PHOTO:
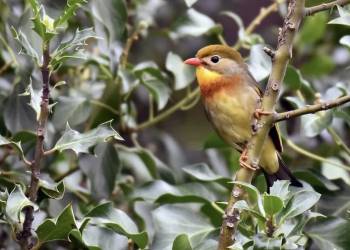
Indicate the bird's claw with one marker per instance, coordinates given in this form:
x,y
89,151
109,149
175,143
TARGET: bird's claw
x,y
259,112
243,161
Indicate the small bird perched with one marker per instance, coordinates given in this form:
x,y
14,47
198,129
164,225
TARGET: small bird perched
x,y
231,96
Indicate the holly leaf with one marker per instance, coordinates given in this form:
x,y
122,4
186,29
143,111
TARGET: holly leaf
x,y
58,228
81,142
118,221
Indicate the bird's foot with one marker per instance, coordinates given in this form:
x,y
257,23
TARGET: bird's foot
x,y
259,112
243,161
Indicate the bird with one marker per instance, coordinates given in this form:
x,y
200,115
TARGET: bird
x,y
231,98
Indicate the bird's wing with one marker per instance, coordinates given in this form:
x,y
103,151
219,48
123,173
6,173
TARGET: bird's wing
x,y
274,132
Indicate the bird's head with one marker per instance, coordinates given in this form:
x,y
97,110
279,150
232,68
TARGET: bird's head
x,y
215,61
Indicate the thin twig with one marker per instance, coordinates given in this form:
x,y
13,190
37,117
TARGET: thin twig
x,y
311,109
129,42
324,6
337,139
264,13
313,156
25,236
5,67
169,111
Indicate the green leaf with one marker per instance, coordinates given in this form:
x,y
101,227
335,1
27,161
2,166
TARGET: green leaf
x,y
280,189
332,233
161,192
295,81
272,204
315,25
242,205
316,180
318,65
173,220
80,143
110,14
184,74
192,24
344,18
57,228
26,47
72,109
35,98
16,201
345,40
189,3
52,190
262,242
43,24
300,202
182,242
102,169
118,221
253,193
73,47
259,63
16,145
69,11
316,123
155,81
99,238
18,116
333,172
202,172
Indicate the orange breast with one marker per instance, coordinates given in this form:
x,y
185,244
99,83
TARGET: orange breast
x,y
208,88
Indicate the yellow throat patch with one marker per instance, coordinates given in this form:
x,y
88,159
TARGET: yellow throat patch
x,y
206,76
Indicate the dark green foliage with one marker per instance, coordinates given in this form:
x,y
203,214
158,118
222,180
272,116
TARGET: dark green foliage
x,y
122,169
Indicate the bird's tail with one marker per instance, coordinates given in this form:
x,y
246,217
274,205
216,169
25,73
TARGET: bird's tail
x,y
283,173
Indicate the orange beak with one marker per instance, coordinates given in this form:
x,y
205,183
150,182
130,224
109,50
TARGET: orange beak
x,y
193,61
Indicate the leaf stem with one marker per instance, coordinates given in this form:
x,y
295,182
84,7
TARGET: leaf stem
x,y
338,140
313,156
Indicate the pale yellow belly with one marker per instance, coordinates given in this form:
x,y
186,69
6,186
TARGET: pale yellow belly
x,y
232,116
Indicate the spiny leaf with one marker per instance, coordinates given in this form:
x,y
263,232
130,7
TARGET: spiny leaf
x,y
52,190
69,11
26,47
16,145
15,203
35,98
118,221
57,228
73,47
81,142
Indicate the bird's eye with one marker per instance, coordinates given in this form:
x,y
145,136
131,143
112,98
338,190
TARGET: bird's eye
x,y
215,59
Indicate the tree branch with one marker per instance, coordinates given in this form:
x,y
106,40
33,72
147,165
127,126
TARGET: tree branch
x,y
324,6
25,236
280,61
311,109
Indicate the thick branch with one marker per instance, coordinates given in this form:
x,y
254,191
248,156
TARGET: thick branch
x,y
25,237
311,109
255,145
324,6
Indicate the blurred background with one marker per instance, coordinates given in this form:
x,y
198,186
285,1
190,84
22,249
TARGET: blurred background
x,y
149,94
